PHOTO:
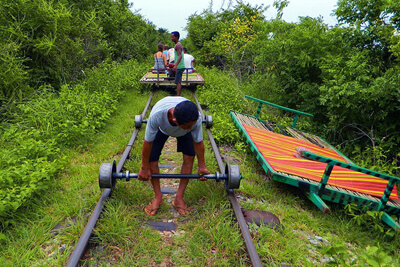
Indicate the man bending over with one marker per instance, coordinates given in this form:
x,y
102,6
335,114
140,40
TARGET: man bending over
x,y
176,117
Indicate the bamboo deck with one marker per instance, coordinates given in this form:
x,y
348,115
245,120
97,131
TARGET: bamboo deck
x,y
188,79
312,187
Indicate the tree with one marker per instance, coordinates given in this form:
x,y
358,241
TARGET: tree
x,y
225,38
376,25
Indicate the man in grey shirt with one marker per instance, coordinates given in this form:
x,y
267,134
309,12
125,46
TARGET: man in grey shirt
x,y
178,117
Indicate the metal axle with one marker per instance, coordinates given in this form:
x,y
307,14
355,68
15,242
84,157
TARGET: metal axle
x,y
208,121
217,176
108,176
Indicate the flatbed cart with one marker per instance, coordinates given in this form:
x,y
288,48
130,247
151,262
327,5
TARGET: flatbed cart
x,y
306,161
163,80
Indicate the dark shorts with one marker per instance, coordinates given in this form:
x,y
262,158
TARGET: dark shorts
x,y
178,75
185,145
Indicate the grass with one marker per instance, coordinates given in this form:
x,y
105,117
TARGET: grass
x,y
301,222
209,236
70,200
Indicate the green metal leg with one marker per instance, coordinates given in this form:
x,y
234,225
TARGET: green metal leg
x,y
389,221
318,201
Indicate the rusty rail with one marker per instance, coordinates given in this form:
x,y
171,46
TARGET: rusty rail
x,y
84,239
250,247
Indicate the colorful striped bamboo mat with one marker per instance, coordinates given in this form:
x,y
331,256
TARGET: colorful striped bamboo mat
x,y
279,151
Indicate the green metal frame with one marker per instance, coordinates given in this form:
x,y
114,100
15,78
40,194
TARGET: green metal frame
x,y
297,112
332,162
318,192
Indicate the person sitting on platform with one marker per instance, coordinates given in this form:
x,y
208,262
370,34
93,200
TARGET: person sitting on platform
x,y
166,48
180,118
160,61
171,55
189,60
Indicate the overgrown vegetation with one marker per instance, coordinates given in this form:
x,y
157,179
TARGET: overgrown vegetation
x,y
346,75
54,42
60,80
33,140
66,65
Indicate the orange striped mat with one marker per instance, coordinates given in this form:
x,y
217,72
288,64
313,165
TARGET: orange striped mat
x,y
278,150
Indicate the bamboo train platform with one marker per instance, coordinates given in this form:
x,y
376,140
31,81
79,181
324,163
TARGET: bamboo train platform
x,y
306,161
161,79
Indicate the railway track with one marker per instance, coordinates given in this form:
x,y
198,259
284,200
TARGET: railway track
x,y
84,239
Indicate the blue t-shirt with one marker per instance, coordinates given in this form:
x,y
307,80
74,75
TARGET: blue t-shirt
x,y
158,120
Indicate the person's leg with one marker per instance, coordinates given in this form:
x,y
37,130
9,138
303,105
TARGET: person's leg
x,y
156,182
155,153
178,89
185,145
153,206
178,81
178,203
187,167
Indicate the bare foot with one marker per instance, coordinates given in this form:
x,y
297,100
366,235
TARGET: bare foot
x,y
153,206
182,208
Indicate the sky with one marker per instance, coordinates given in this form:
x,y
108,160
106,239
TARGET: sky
x,y
173,14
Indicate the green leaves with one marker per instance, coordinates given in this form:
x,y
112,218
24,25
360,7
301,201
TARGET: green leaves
x,y
376,257
221,94
53,42
225,38
27,163
31,148
370,256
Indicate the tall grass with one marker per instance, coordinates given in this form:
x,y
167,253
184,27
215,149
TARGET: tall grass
x,y
33,140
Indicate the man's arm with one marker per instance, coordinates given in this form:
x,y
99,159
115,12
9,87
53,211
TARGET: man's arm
x,y
145,172
178,49
199,150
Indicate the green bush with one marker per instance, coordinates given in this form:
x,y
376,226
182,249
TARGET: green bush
x,y
220,94
53,42
13,76
27,162
31,147
347,76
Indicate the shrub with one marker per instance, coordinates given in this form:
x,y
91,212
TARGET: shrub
x,y
27,162
220,94
30,147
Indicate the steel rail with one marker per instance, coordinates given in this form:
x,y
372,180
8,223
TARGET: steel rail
x,y
84,239
250,247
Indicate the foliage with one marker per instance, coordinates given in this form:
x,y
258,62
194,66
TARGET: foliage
x,y
377,24
375,257
27,163
13,76
53,42
31,147
231,46
369,219
221,94
201,29
288,57
376,159
224,38
370,256
347,76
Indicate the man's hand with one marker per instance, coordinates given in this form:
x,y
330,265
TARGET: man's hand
x,y
174,68
144,174
203,171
